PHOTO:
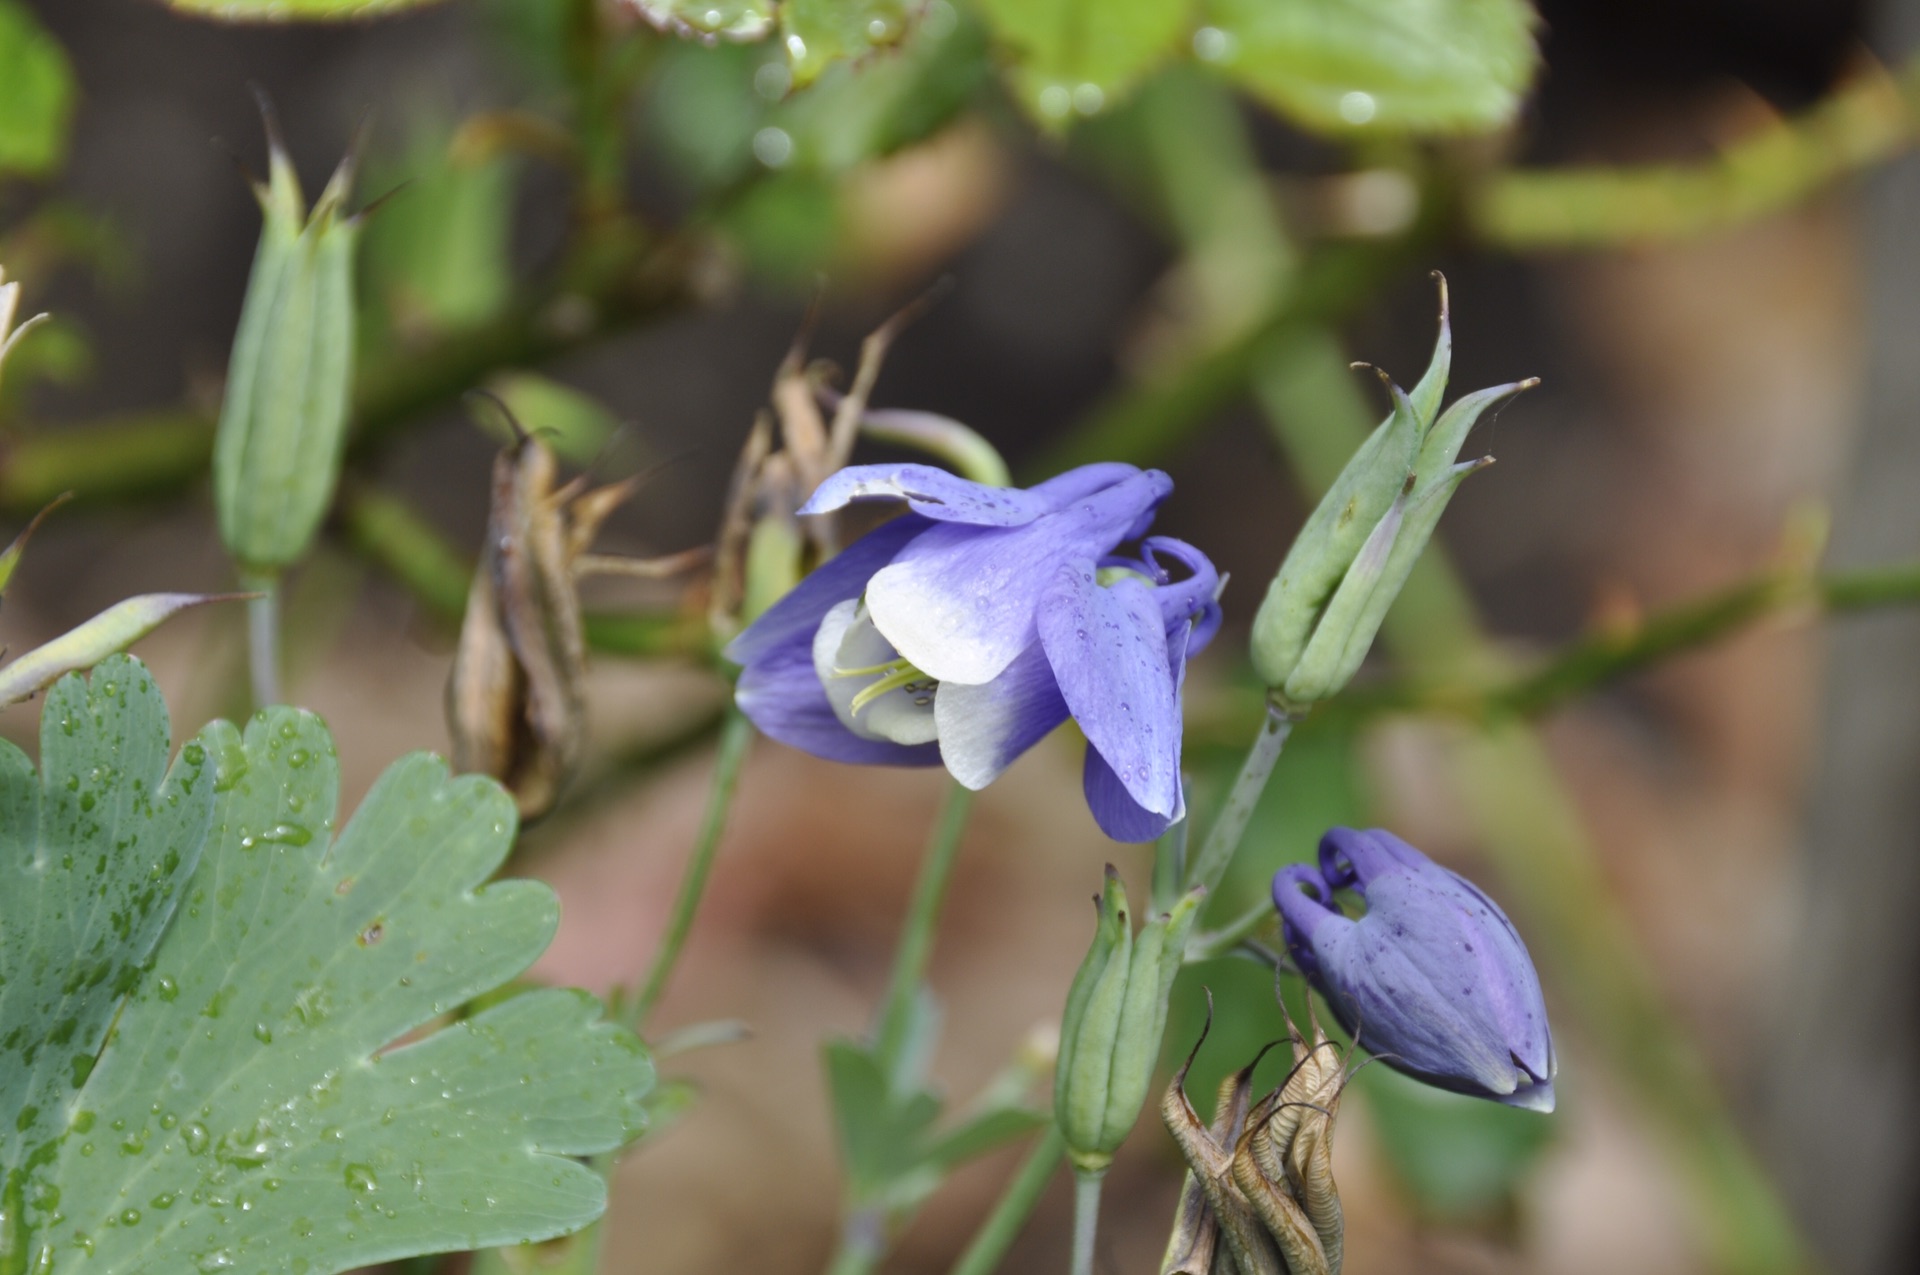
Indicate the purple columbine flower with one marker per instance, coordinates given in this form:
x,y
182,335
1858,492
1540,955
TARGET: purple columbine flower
x,y
965,630
1433,978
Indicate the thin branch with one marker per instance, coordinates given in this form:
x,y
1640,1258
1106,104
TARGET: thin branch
x,y
1592,661
1867,121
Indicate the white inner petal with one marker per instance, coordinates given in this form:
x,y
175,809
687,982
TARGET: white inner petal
x,y
847,639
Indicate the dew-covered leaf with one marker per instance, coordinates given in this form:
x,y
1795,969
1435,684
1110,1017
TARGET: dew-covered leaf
x,y
269,1096
36,95
709,19
293,10
1445,66
818,33
1078,56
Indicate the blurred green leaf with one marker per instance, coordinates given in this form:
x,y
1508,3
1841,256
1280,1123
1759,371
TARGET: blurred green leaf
x,y
293,10
855,113
701,106
818,33
1459,1158
1078,56
707,19
201,1042
575,425
881,1131
36,95
436,252
1340,66
786,226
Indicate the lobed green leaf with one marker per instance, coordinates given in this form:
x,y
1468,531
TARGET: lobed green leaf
x,y
269,1096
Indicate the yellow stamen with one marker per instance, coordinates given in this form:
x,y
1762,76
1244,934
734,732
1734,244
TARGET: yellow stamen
x,y
901,676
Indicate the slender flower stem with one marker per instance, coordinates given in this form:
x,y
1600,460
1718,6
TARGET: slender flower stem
x,y
1086,1220
263,638
735,734
1002,1227
916,936
1224,837
1208,944
863,1242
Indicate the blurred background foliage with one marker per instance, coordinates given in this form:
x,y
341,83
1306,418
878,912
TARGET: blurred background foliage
x,y
1168,225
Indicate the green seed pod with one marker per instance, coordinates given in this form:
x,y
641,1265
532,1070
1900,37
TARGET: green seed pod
x,y
276,458
1115,1016
1354,554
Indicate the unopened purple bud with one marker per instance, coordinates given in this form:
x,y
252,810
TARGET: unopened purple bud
x,y
1433,978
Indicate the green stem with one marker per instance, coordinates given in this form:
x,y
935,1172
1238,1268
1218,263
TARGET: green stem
x,y
997,1233
1216,852
263,638
863,1242
1862,124
1086,1220
1592,661
1209,944
916,936
735,735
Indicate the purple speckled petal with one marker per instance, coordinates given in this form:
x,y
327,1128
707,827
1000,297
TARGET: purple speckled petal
x,y
960,601
1108,648
781,694
983,728
931,492
794,618
1433,977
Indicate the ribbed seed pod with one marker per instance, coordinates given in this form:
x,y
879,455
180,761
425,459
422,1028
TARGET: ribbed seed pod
x,y
283,422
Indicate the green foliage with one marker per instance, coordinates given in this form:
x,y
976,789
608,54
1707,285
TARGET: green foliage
x,y
294,10
886,1115
436,253
36,95
577,426
1458,1157
1439,66
818,33
203,991
855,113
1079,55
725,19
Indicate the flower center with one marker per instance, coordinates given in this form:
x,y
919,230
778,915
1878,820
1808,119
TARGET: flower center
x,y
895,674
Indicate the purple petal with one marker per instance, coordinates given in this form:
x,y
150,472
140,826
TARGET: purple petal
x,y
795,617
1108,648
1063,489
781,694
1113,807
984,727
1190,603
931,492
960,602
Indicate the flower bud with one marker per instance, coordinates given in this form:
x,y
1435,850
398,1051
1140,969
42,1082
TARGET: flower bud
x,y
1115,1016
1433,979
283,423
1351,558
